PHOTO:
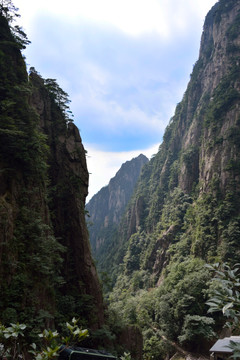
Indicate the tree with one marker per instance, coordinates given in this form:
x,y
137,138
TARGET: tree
x,y
60,97
225,297
20,36
196,327
10,12
225,293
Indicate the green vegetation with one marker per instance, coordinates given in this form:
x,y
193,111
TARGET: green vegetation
x,y
171,308
221,8
225,297
13,345
60,97
225,97
184,214
10,13
30,253
39,284
224,293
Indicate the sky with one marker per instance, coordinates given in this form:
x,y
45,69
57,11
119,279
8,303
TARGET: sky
x,y
125,65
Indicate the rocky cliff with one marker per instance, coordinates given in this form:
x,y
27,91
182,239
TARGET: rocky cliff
x,y
106,208
199,153
185,210
46,270
68,189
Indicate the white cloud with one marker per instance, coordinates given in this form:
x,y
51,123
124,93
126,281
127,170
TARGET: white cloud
x,y
121,83
117,119
131,16
103,165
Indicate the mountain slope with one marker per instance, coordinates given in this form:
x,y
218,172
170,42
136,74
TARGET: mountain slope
x,y
199,153
108,205
185,210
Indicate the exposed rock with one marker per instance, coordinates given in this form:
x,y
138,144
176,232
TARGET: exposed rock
x,y
69,177
46,268
199,156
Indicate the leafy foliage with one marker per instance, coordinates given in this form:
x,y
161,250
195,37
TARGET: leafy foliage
x,y
126,356
177,308
10,13
60,97
8,10
196,327
225,297
235,347
14,346
226,293
11,344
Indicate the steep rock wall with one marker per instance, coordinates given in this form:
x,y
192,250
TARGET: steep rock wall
x,y
192,183
46,269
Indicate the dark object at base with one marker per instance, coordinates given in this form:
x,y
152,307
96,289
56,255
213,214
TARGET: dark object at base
x,y
79,353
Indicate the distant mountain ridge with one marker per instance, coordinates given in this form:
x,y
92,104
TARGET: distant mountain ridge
x,y
108,205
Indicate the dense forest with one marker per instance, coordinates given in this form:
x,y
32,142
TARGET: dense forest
x,y
180,217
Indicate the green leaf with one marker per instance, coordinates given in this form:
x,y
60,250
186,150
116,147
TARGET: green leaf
x,y
69,326
74,321
226,307
7,335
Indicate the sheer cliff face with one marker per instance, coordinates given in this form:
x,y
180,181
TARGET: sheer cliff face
x,y
201,140
45,260
188,193
68,190
216,115
208,113
108,205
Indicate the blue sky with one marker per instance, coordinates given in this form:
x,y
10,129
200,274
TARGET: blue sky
x,y
125,65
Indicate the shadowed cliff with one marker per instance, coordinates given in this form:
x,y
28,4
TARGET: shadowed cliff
x,y
47,274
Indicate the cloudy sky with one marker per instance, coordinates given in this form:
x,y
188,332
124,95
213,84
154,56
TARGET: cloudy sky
x,y
124,63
